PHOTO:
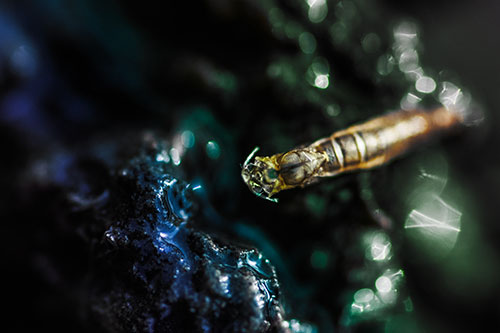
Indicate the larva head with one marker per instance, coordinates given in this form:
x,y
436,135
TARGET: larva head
x,y
261,176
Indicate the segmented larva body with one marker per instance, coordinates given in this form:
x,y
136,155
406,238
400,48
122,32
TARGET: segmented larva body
x,y
362,146
381,139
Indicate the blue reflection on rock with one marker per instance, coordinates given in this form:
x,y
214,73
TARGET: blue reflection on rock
x,y
153,267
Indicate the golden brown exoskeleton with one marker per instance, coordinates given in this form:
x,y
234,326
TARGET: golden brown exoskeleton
x,y
358,147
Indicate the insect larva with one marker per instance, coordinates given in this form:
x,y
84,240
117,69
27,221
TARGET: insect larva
x,y
358,147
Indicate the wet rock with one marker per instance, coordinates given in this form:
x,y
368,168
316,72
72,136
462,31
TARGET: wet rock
x,y
148,267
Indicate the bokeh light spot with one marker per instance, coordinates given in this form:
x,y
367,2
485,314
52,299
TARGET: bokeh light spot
x,y
425,85
319,259
385,64
383,284
318,10
433,222
187,139
332,110
213,150
364,295
379,247
176,156
307,42
321,81
370,43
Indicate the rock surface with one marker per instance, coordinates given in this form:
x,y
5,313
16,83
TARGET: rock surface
x,y
150,268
